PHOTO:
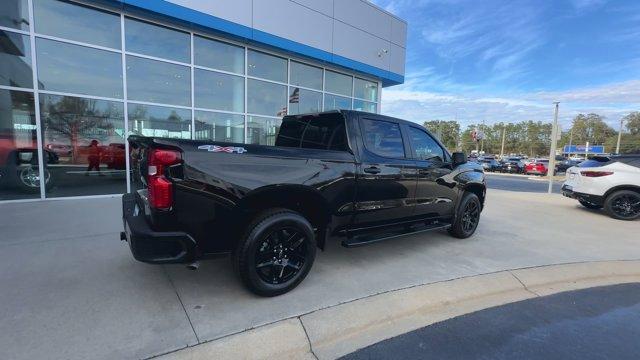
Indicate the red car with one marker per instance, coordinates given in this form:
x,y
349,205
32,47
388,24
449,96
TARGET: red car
x,y
537,167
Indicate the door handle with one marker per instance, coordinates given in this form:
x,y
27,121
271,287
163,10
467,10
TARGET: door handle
x,y
372,170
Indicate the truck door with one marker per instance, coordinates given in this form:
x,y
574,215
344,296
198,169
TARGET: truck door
x,y
386,180
435,191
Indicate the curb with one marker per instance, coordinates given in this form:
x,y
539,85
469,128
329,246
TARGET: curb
x,y
341,329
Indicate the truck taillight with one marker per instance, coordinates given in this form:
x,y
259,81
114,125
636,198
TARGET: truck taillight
x,y
160,188
596,173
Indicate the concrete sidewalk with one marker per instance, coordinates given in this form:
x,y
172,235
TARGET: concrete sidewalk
x,y
71,289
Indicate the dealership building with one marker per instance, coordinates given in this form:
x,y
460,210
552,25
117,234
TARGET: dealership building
x,y
78,77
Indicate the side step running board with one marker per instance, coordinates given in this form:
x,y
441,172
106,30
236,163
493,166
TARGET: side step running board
x,y
365,239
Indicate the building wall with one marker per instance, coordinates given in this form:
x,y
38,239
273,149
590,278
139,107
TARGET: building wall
x,y
346,30
76,80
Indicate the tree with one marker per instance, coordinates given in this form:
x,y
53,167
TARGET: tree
x,y
591,128
447,131
632,122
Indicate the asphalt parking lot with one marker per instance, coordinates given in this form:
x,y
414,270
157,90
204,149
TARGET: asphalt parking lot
x,y
596,323
71,289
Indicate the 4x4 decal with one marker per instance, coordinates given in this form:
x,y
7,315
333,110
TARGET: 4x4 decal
x,y
225,149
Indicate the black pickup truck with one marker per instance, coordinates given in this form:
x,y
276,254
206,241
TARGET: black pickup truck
x,y
352,176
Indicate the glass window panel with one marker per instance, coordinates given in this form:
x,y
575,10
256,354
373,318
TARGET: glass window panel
x,y
266,98
383,138
158,82
333,102
14,14
76,22
424,146
325,132
262,130
218,55
15,60
159,121
159,41
366,90
338,83
364,106
306,76
19,176
267,66
219,91
78,69
88,137
304,101
219,127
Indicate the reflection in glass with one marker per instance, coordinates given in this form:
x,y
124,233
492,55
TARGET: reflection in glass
x,y
87,136
306,76
267,66
19,176
77,22
14,14
158,41
15,60
159,121
78,69
219,127
262,130
158,82
364,106
338,83
304,101
219,91
366,90
218,55
333,102
266,98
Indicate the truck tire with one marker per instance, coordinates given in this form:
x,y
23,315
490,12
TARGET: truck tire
x,y
623,205
468,216
276,252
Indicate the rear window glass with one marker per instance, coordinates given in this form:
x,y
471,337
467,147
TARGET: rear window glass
x,y
324,132
594,162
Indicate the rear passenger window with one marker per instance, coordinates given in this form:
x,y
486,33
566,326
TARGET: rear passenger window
x,y
424,147
324,132
383,138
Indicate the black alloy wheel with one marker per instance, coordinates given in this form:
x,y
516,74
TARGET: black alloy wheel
x,y
468,216
281,255
623,205
276,253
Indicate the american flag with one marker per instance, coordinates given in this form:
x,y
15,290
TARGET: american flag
x,y
282,112
294,98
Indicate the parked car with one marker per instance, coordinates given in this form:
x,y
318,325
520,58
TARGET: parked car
x,y
564,165
490,165
612,183
538,167
512,165
114,156
352,176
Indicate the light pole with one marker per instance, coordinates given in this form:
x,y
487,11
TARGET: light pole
x,y
552,152
504,131
619,137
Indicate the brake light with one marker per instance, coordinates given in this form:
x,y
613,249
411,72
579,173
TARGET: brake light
x,y
596,173
160,189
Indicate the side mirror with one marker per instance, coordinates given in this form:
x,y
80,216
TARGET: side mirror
x,y
458,158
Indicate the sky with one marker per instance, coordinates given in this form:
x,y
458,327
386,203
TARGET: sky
x,y
510,60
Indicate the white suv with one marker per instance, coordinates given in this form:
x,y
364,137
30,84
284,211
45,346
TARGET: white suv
x,y
612,183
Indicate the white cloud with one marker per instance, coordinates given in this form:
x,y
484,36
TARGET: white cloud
x,y
612,101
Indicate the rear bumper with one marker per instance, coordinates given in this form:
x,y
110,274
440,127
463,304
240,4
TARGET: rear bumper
x,y
594,199
152,246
